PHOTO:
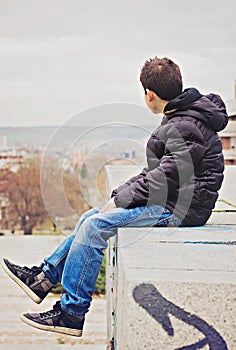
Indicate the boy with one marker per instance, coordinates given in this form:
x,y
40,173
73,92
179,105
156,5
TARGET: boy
x,y
179,186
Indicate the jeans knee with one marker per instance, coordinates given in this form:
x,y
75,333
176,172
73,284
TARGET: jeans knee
x,y
84,217
92,232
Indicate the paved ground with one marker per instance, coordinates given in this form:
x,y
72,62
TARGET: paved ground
x,y
16,335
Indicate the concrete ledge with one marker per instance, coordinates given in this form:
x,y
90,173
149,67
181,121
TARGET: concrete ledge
x,y
174,288
179,255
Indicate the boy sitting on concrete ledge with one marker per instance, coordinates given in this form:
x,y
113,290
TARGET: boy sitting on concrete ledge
x,y
179,186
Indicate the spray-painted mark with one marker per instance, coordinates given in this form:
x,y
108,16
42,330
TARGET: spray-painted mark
x,y
199,242
148,297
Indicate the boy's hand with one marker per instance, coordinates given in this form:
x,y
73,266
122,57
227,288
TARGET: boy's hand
x,y
108,206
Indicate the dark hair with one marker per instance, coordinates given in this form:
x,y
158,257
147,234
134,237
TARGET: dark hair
x,y
162,76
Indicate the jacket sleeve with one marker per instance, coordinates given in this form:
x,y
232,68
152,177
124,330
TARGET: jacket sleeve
x,y
129,182
176,167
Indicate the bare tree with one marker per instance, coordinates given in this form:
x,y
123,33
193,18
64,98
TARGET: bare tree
x,y
25,204
22,191
55,180
6,178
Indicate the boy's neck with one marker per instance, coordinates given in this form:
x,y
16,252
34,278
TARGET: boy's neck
x,y
159,105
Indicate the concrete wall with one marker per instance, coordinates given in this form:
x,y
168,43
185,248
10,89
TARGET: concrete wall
x,y
175,288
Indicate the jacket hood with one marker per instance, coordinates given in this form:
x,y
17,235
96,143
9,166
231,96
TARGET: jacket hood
x,y
210,109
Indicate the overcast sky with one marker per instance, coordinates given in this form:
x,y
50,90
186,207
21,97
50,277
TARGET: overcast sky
x,y
60,57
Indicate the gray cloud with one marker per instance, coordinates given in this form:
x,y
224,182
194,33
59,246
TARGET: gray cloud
x,y
60,57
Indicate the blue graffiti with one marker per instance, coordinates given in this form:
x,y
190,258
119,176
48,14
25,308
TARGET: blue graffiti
x,y
151,300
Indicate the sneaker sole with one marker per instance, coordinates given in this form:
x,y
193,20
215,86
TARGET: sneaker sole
x,y
57,329
23,286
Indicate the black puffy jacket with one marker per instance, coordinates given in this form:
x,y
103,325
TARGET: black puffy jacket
x,y
184,160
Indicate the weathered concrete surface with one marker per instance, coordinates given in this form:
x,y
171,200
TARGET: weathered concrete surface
x,y
225,209
16,335
175,288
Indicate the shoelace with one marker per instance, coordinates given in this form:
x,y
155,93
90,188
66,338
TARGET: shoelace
x,y
54,312
30,271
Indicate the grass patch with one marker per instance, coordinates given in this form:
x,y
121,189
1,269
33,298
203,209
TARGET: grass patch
x,y
46,233
101,280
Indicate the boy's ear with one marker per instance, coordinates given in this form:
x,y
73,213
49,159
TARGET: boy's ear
x,y
150,95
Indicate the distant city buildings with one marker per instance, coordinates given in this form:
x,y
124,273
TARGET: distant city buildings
x,y
10,160
11,157
228,135
3,142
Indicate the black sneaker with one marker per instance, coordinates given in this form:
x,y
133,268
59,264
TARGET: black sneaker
x,y
32,280
56,320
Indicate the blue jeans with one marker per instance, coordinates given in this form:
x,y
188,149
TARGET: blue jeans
x,y
76,262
